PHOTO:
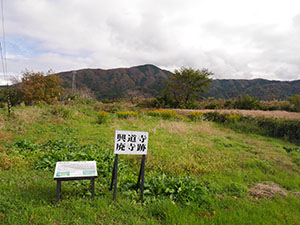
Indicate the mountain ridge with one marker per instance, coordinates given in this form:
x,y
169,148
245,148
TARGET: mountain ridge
x,y
149,80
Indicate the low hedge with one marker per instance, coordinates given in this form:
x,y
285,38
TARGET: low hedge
x,y
279,128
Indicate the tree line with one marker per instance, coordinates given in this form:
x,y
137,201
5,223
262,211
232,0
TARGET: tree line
x,y
34,88
184,89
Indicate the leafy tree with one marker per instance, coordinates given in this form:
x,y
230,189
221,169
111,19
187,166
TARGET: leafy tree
x,y
295,101
15,95
38,87
246,102
185,86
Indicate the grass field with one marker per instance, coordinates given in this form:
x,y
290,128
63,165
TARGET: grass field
x,y
196,172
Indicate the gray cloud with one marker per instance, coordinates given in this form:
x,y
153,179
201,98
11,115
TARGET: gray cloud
x,y
245,41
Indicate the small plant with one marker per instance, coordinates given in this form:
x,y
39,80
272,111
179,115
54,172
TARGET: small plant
x,y
62,111
102,117
165,114
126,115
181,118
196,116
233,118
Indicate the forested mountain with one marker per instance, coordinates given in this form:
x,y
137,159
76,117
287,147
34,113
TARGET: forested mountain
x,y
141,81
260,88
149,81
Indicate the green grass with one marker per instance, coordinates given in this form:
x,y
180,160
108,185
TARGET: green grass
x,y
196,172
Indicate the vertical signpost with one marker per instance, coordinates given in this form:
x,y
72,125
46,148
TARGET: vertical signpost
x,y
130,143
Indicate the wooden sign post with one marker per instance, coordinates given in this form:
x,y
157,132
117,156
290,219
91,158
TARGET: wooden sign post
x,y
130,143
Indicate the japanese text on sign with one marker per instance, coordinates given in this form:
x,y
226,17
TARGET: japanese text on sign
x,y
131,142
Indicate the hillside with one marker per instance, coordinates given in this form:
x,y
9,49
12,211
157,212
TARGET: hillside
x,y
260,88
149,81
140,81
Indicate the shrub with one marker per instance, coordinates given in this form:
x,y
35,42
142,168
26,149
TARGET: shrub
x,y
62,111
295,101
233,118
102,117
181,118
126,115
279,128
165,114
196,116
246,102
148,103
154,113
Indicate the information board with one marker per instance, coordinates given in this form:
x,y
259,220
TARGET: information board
x,y
71,169
131,142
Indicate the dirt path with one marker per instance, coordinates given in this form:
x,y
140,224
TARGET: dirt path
x,y
274,114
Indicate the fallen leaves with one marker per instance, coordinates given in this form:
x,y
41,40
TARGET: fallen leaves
x,y
207,215
32,217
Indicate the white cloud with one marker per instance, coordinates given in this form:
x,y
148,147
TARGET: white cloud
x,y
234,39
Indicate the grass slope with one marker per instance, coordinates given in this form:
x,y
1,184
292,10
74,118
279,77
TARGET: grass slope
x,y
196,172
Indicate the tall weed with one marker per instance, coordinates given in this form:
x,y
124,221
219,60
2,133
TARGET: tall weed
x,y
165,114
102,117
62,111
126,115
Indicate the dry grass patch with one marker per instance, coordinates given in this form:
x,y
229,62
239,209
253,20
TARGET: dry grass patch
x,y
29,114
7,162
175,127
267,190
206,128
273,114
297,194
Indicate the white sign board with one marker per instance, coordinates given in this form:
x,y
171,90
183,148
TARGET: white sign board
x,y
131,142
75,169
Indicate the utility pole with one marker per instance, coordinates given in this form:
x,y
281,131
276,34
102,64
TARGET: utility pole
x,y
8,102
73,82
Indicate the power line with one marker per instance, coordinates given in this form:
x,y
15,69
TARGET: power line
x,y
4,41
3,59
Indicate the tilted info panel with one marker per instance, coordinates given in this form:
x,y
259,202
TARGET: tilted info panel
x,y
71,169
131,142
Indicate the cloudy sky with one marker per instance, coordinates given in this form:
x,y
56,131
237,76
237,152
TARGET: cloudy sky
x,y
240,39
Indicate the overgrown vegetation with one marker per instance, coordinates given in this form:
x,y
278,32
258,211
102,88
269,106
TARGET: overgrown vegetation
x,y
197,171
240,102
279,128
102,117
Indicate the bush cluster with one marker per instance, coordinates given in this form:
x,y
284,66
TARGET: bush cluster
x,y
240,102
196,116
126,115
102,117
279,128
62,111
165,114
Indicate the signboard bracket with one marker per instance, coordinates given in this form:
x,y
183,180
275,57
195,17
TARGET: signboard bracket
x,y
75,170
141,178
114,177
59,180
